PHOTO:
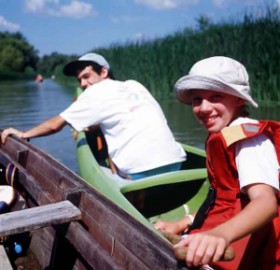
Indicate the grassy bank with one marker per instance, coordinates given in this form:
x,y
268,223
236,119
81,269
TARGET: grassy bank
x,y
253,40
158,64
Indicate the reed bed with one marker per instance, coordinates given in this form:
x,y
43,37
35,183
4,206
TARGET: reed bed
x,y
254,40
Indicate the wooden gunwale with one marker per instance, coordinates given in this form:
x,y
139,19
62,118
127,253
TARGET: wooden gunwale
x,y
106,238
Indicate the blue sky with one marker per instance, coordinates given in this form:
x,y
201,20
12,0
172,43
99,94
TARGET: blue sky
x,y
78,26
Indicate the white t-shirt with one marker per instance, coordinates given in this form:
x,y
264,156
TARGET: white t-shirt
x,y
256,159
132,122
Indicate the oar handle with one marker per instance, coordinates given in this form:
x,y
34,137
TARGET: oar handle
x,y
180,254
171,237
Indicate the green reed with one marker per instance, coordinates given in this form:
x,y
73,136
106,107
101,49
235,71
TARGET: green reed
x,y
254,40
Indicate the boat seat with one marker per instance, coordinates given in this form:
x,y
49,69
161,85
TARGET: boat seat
x,y
171,189
162,179
126,185
38,217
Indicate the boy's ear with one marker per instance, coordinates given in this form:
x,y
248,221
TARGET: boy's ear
x,y
241,101
104,72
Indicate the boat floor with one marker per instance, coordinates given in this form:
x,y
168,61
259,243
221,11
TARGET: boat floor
x,y
27,262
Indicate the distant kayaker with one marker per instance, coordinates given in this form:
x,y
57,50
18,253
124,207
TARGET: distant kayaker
x,y
39,78
140,143
243,155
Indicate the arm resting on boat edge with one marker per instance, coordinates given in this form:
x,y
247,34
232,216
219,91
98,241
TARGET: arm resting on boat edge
x,y
48,127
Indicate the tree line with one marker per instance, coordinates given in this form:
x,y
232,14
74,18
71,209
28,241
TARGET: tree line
x,y
253,39
20,60
17,56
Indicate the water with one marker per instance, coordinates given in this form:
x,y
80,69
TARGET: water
x,y
26,104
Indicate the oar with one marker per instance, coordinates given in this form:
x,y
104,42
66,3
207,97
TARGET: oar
x,y
180,253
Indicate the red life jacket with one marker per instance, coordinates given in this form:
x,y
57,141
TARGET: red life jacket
x,y
260,250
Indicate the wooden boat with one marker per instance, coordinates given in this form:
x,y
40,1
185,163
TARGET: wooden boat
x,y
103,235
163,196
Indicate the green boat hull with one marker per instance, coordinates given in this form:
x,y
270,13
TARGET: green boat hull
x,y
164,196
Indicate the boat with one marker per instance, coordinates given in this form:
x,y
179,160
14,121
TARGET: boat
x,y
150,198
39,78
167,196
104,233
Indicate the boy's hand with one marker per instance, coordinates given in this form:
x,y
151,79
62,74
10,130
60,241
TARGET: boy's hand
x,y
10,131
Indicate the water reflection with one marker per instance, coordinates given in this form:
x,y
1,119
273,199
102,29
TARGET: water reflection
x,y
182,122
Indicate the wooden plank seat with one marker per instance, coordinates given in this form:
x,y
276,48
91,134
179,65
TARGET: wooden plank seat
x,y
38,217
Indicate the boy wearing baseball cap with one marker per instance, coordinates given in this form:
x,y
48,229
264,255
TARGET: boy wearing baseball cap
x,y
140,143
243,154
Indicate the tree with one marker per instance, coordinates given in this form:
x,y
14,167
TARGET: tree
x,y
16,54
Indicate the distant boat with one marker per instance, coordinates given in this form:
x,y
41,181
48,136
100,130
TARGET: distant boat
x,y
39,78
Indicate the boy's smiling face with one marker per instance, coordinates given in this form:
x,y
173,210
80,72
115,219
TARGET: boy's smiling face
x,y
87,76
215,110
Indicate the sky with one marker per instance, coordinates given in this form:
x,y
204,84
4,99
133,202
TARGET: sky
x,y
80,26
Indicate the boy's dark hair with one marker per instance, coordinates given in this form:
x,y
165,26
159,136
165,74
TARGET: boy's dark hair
x,y
97,68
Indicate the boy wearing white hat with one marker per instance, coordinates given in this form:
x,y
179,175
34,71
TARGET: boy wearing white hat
x,y
243,158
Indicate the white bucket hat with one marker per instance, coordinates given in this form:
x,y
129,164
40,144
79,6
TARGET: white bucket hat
x,y
72,67
216,73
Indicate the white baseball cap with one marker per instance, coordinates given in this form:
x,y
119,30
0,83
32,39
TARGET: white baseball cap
x,y
216,73
72,67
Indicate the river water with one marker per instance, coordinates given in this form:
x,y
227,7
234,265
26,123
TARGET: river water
x,y
26,104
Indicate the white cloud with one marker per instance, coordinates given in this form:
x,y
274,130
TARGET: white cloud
x,y
8,26
38,5
166,4
76,9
